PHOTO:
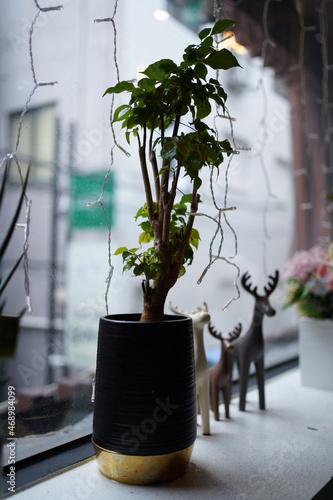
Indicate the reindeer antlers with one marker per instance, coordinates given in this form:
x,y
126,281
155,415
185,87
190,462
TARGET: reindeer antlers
x,y
232,335
177,309
214,332
272,283
247,286
235,333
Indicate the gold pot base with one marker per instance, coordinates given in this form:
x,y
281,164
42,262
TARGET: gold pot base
x,y
152,469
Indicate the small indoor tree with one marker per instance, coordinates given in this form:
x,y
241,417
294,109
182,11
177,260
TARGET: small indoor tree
x,y
167,97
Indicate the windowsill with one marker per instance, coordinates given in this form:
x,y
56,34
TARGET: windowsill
x,y
283,452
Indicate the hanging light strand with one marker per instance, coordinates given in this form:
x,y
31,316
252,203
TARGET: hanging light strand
x,y
115,144
221,211
326,115
267,41
13,154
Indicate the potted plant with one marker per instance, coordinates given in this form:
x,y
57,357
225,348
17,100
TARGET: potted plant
x,y
145,405
9,325
309,285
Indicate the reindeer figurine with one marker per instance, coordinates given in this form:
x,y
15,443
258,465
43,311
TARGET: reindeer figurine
x,y
220,375
250,346
200,317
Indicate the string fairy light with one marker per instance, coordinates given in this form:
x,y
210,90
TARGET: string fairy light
x,y
303,170
13,154
267,41
221,211
115,144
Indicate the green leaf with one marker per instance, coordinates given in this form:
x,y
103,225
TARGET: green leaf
x,y
203,109
145,237
221,59
128,254
146,84
226,145
145,226
164,169
128,266
186,198
205,49
191,57
182,272
222,25
222,93
169,150
207,44
195,238
204,33
197,183
142,212
124,86
121,112
120,250
200,71
158,70
140,269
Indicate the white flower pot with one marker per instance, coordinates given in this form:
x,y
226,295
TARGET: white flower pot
x,y
316,352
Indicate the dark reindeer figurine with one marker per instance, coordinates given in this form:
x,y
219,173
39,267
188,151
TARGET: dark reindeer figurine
x,y
250,346
220,375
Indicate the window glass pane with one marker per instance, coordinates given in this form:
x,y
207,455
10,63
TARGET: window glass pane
x,y
37,141
65,135
45,128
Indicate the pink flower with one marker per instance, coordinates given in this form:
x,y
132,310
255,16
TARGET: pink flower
x,y
306,263
319,254
309,276
322,270
329,282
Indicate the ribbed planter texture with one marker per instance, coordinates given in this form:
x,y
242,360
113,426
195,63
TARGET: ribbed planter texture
x,y
316,352
144,423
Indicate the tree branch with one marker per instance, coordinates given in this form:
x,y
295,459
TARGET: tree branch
x,y
153,162
146,183
177,122
175,179
187,233
166,219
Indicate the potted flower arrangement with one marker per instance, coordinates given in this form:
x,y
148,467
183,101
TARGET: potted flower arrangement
x,y
309,285
145,403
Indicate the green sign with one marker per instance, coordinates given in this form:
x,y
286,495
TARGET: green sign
x,y
87,188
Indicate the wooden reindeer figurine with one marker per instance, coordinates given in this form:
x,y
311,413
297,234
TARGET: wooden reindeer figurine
x,y
220,375
250,346
200,317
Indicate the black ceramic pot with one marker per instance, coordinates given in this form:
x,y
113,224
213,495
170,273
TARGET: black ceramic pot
x,y
144,423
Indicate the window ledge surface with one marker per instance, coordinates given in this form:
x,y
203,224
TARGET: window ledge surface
x,y
282,452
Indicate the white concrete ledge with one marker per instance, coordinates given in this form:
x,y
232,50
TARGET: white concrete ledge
x,y
282,452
